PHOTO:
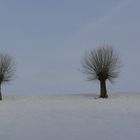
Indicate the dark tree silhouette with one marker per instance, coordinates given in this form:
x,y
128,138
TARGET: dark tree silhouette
x,y
7,70
101,64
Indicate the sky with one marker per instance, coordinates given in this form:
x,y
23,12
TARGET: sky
x,y
48,38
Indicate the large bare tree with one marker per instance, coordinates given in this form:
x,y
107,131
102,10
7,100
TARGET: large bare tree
x,y
7,70
101,64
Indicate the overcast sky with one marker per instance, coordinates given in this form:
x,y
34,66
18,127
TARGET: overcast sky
x,y
48,38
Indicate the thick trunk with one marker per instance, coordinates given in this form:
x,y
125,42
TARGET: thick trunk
x,y
0,93
103,91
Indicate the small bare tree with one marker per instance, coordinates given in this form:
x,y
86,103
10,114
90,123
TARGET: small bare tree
x,y
7,70
101,64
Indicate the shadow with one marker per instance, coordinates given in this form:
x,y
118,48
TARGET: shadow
x,y
87,95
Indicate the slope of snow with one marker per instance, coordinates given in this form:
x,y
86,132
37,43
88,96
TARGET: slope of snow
x,y
75,117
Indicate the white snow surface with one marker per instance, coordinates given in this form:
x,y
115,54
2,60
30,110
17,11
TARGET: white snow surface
x,y
70,117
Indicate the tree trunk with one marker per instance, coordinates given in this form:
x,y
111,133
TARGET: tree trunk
x,y
0,93
103,91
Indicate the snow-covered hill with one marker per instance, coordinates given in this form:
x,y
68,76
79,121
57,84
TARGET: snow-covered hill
x,y
73,117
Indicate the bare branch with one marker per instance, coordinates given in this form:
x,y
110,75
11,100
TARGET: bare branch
x,y
7,68
102,63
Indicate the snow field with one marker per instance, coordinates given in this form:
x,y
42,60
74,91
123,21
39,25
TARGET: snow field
x,y
71,117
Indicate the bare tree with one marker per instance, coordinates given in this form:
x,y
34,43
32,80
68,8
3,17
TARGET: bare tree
x,y
7,70
101,64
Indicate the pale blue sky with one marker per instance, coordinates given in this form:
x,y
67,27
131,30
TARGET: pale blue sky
x,y
48,38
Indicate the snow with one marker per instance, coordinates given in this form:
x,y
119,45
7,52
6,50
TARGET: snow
x,y
70,117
